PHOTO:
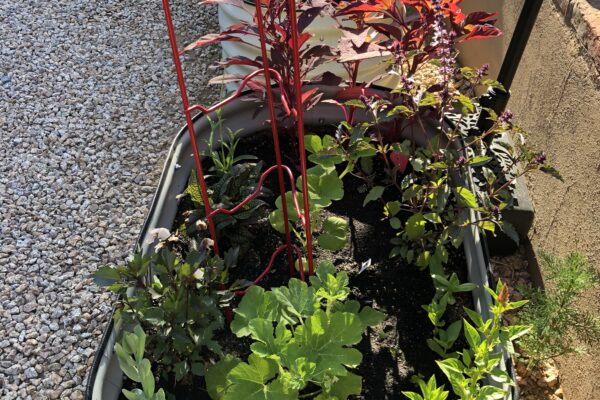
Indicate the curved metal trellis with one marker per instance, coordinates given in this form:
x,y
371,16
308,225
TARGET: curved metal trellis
x,y
302,211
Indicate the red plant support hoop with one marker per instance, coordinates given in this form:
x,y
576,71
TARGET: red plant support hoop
x,y
282,170
273,117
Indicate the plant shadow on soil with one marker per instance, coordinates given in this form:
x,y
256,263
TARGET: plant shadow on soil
x,y
396,349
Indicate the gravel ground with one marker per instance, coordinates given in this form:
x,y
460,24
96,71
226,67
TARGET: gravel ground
x,y
88,107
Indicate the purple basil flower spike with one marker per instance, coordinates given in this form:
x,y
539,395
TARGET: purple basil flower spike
x,y
540,158
506,117
481,72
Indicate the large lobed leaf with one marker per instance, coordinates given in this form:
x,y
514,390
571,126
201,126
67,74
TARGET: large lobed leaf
x,y
254,381
296,341
256,303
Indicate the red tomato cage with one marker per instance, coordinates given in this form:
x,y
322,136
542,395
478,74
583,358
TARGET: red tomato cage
x,y
270,77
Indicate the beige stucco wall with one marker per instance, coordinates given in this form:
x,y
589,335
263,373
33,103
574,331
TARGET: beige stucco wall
x,y
490,51
556,98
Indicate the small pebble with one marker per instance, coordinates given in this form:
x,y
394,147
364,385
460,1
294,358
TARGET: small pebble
x,y
89,103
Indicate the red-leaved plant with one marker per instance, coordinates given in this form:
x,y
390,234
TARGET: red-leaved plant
x,y
278,41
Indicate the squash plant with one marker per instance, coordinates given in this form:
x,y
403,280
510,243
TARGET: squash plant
x,y
302,336
324,186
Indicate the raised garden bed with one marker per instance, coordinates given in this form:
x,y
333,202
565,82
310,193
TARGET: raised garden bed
x,y
393,350
321,240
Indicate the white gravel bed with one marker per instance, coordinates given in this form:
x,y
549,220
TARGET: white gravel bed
x,y
89,104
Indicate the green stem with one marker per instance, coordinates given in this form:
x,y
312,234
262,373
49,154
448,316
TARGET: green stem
x,y
328,307
304,396
480,138
349,168
510,182
133,310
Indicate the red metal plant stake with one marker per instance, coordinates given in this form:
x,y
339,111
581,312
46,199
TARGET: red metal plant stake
x,y
265,61
273,257
282,170
256,191
190,122
300,128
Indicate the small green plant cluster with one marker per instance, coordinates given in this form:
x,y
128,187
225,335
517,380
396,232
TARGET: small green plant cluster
x,y
443,339
429,390
130,352
558,327
177,302
354,149
487,340
428,173
468,370
235,178
425,192
302,336
223,155
229,189
324,186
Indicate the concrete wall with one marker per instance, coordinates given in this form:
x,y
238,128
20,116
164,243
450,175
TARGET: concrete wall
x,y
491,51
556,98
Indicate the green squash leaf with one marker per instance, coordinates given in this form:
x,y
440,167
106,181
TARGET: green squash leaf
x,y
297,299
343,387
370,317
216,377
334,235
256,303
254,381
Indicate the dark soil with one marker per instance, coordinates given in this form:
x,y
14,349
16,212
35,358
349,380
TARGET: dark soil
x,y
396,349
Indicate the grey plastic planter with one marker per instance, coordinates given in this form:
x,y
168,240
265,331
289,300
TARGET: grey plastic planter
x,y
520,216
105,378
